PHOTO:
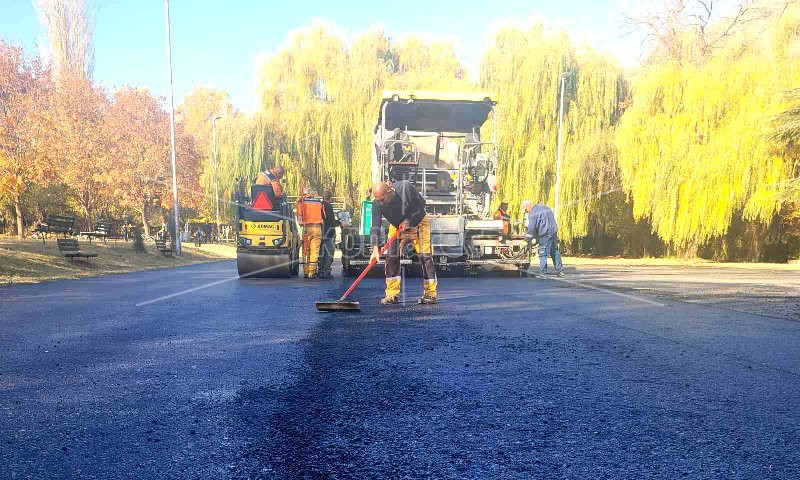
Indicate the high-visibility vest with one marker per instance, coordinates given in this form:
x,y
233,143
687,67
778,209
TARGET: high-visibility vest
x,y
502,215
310,211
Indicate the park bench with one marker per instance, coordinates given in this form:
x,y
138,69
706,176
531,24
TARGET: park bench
x,y
164,247
69,248
56,224
102,229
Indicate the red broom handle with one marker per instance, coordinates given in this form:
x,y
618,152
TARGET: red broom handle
x,y
371,264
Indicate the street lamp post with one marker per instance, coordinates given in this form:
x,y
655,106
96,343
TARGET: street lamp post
x,y
558,155
216,173
176,212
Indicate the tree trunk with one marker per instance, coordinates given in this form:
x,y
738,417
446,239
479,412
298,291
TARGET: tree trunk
x,y
20,218
88,219
598,240
689,251
145,226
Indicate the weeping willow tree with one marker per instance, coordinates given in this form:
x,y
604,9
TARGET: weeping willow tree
x,y
525,68
243,150
693,144
320,97
427,66
786,138
317,98
787,123
690,152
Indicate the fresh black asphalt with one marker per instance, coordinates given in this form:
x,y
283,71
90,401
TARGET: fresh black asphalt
x,y
504,378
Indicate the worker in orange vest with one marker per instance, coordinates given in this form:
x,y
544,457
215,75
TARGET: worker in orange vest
x,y
310,216
502,214
272,177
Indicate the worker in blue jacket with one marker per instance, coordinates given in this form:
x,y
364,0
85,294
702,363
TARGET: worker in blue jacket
x,y
542,227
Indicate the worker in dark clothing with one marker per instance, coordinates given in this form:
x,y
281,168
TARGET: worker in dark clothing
x,y
542,227
404,208
328,247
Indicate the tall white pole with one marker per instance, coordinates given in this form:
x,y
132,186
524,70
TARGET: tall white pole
x,y
216,174
560,127
176,212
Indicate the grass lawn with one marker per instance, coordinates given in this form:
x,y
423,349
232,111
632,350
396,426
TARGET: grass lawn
x,y
28,261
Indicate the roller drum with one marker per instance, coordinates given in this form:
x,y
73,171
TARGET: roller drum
x,y
254,265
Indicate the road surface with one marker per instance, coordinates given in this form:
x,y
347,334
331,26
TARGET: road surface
x,y
126,377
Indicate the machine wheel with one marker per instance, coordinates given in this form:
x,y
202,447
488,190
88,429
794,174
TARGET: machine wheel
x,y
348,270
253,265
347,249
295,268
523,270
448,272
458,271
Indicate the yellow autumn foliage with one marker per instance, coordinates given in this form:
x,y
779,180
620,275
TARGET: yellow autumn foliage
x,y
685,135
694,140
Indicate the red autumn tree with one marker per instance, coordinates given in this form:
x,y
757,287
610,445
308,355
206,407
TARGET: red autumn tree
x,y
78,111
189,161
137,131
139,146
24,87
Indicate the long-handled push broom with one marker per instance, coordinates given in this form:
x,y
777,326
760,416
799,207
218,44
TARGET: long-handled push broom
x,y
341,305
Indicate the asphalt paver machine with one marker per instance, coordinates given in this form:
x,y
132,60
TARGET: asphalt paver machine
x,y
445,144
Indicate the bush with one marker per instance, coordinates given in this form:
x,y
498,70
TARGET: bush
x,y
138,239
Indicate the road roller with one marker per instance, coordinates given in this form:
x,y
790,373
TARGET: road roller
x,y
267,239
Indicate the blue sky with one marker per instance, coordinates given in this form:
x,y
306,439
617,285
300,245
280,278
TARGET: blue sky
x,y
215,42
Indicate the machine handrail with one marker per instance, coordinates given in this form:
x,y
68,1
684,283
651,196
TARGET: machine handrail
x,y
389,142
471,145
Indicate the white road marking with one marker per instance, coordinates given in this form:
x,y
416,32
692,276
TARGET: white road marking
x,y
207,285
604,290
592,287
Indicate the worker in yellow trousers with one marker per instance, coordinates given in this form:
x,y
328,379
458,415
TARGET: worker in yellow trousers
x,y
404,208
310,216
420,237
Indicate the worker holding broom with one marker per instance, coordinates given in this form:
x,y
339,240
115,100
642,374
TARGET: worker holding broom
x,y
404,208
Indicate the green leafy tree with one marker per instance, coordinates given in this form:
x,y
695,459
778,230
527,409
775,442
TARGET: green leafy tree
x,y
525,68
